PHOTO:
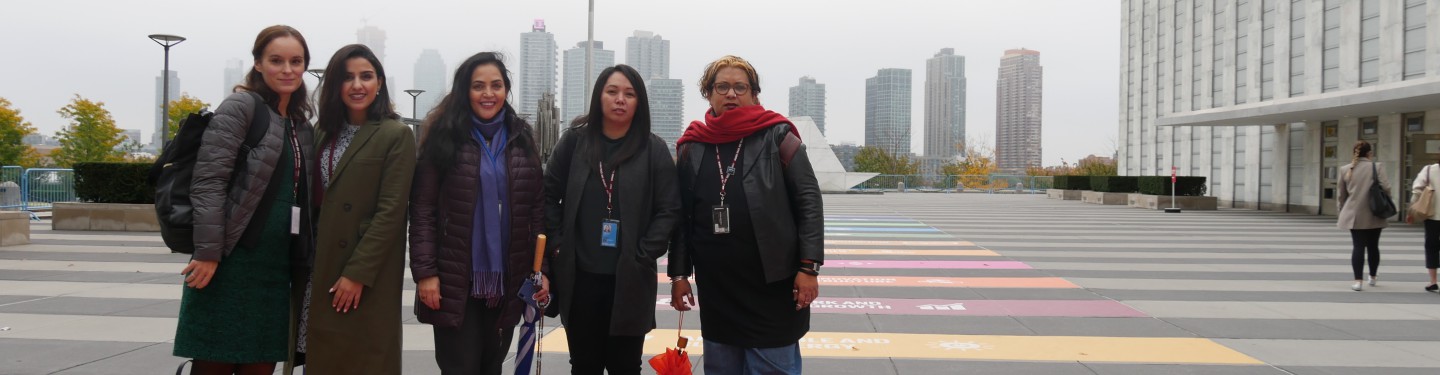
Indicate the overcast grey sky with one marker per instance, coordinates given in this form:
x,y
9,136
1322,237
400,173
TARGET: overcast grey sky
x,y
57,48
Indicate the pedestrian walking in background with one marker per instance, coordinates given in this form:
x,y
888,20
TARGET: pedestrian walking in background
x,y
1353,197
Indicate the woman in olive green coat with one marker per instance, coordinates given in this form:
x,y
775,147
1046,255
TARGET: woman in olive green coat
x,y
367,158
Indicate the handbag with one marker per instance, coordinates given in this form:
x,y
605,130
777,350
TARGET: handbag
x,y
1424,206
1380,204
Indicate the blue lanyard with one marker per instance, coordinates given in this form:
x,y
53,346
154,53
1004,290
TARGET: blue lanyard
x,y
499,143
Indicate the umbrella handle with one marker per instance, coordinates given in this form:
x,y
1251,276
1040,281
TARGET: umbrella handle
x,y
539,251
681,341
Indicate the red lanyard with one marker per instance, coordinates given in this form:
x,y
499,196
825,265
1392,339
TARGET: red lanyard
x,y
295,159
609,190
726,173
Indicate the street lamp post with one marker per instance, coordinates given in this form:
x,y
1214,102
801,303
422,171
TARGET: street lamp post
x,y
414,99
167,41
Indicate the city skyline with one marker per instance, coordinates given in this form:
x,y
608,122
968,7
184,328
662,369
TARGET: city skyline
x,y
1077,89
573,103
944,105
539,70
808,99
887,110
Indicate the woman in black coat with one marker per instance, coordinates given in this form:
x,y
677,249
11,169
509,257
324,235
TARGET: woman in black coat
x,y
611,202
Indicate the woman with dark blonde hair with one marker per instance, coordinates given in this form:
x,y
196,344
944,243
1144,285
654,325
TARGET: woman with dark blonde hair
x,y
367,162
235,310
1353,196
751,227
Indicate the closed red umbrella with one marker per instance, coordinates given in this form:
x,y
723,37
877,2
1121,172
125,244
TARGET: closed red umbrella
x,y
674,361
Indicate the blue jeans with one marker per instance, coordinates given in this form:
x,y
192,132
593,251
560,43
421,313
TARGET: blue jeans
x,y
721,359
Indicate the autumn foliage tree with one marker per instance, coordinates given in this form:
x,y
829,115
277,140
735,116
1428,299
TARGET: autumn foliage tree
x,y
974,167
181,108
893,168
13,129
91,135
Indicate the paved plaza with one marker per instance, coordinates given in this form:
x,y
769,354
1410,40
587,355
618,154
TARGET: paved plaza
x,y
918,283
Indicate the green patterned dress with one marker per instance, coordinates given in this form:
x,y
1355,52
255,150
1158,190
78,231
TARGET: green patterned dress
x,y
242,316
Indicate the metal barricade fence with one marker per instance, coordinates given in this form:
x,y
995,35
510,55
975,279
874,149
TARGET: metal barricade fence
x,y
989,184
42,187
10,192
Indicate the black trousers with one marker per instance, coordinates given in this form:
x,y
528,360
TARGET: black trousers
x,y
1367,242
592,349
478,346
1432,244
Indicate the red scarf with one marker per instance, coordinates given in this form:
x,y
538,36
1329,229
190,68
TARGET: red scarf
x,y
735,124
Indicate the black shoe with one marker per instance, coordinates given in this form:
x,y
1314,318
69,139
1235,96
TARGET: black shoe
x,y
1433,288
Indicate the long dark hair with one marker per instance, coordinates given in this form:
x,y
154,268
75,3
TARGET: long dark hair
x,y
592,132
447,126
299,107
333,112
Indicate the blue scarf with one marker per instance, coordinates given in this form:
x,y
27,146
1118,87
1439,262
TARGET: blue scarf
x,y
489,235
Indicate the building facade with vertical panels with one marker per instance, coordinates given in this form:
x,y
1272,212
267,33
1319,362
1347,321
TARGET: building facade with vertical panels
x,y
944,104
158,137
1266,98
667,108
539,56
808,99
573,103
649,54
1018,111
430,73
887,111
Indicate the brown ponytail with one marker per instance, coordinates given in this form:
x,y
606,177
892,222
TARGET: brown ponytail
x,y
1362,150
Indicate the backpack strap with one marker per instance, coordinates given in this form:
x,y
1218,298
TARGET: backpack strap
x,y
254,134
788,148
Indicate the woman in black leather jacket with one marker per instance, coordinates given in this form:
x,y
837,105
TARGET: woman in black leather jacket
x,y
751,227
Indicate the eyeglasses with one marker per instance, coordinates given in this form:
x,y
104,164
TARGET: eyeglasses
x,y
725,87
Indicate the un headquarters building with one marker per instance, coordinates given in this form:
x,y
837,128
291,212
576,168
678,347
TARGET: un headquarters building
x,y
1266,98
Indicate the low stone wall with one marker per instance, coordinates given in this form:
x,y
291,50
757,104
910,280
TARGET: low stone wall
x,y
105,217
1160,202
1109,199
1069,195
14,228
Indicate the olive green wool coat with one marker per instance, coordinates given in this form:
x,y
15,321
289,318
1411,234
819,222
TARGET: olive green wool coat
x,y
362,236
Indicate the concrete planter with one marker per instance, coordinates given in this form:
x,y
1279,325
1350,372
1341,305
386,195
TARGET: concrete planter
x,y
14,228
1069,195
1160,202
1103,198
105,217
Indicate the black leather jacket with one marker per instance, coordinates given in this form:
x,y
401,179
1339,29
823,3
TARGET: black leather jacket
x,y
784,202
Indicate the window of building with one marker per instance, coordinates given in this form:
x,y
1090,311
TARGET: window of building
x,y
1242,50
1217,74
1330,58
1414,38
1369,42
1415,122
1267,49
1297,47
1176,61
1369,128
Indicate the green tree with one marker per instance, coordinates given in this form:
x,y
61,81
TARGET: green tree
x,y
179,109
91,135
13,129
894,168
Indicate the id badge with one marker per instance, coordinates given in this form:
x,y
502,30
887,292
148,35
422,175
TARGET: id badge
x,y
720,216
295,220
609,232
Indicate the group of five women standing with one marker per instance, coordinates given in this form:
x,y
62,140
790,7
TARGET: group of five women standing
x,y
319,215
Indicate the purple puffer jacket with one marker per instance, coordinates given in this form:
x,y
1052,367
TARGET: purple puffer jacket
x,y
441,217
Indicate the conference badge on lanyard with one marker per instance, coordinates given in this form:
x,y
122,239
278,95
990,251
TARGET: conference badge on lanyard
x,y
720,214
610,227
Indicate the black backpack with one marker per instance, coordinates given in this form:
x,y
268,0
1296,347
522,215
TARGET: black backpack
x,y
174,169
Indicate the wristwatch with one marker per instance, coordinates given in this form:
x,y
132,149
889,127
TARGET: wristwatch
x,y
679,278
812,269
